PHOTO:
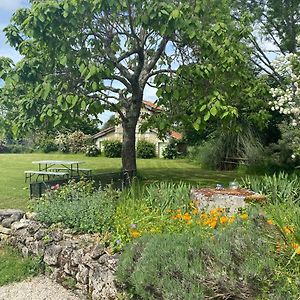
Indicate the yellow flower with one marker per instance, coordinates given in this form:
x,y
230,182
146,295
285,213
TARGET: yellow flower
x,y
186,217
288,229
203,215
195,211
296,247
224,219
189,222
135,233
213,224
244,217
270,222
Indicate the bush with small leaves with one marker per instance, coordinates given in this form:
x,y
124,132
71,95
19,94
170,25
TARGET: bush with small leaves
x,y
171,151
237,262
92,151
145,149
112,148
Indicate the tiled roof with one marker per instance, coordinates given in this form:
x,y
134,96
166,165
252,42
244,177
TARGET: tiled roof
x,y
176,135
104,132
152,105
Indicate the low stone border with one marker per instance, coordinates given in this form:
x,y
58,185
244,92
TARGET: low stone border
x,y
77,261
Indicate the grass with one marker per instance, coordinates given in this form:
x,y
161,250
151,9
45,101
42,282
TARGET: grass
x,y
15,268
14,191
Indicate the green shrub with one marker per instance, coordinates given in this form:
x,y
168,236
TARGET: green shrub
x,y
3,147
112,148
168,195
76,207
145,149
278,188
48,145
92,151
235,263
62,142
78,142
171,151
19,148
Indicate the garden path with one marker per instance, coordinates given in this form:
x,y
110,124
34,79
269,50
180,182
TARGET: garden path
x,y
38,288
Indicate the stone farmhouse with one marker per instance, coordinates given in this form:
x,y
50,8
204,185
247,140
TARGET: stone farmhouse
x,y
116,132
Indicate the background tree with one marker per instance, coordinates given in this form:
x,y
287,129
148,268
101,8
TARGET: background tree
x,y
90,55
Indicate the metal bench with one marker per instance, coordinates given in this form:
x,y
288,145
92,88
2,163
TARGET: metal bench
x,y
30,174
87,172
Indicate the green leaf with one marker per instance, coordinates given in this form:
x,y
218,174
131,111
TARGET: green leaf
x,y
213,111
175,14
57,122
83,105
63,60
207,116
203,107
94,86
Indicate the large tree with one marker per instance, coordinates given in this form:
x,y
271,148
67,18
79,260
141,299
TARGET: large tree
x,y
90,55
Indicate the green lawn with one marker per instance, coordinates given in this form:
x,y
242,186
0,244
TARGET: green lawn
x,y
15,268
14,191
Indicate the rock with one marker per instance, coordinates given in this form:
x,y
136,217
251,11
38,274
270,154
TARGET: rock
x,y
3,237
20,225
55,236
25,251
97,251
4,230
6,213
7,222
102,284
76,257
83,274
31,215
52,253
40,234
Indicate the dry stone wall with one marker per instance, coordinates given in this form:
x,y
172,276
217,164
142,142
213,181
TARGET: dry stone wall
x,y
77,261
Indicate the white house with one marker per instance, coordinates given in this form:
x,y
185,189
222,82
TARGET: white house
x,y
116,132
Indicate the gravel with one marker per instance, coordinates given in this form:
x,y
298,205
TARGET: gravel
x,y
38,288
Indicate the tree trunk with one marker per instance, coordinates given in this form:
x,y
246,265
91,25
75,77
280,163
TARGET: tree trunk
x,y
129,128
128,146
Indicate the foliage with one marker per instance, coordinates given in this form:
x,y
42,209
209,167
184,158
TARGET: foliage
x,y
62,142
279,188
14,267
92,151
112,148
235,263
286,152
3,147
145,149
75,207
226,149
78,141
171,151
167,195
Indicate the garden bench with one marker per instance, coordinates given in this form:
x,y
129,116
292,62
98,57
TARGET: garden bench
x,y
82,170
30,174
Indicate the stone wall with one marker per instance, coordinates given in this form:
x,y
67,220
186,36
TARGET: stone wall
x,y
77,261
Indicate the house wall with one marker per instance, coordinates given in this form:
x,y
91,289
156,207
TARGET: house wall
x,y
148,136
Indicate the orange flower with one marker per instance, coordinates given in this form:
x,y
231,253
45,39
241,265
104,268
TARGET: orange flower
x,y
213,224
203,215
135,233
195,211
186,217
270,222
244,217
189,222
288,229
296,247
224,219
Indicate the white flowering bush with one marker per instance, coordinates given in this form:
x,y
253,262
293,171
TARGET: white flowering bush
x,y
287,96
